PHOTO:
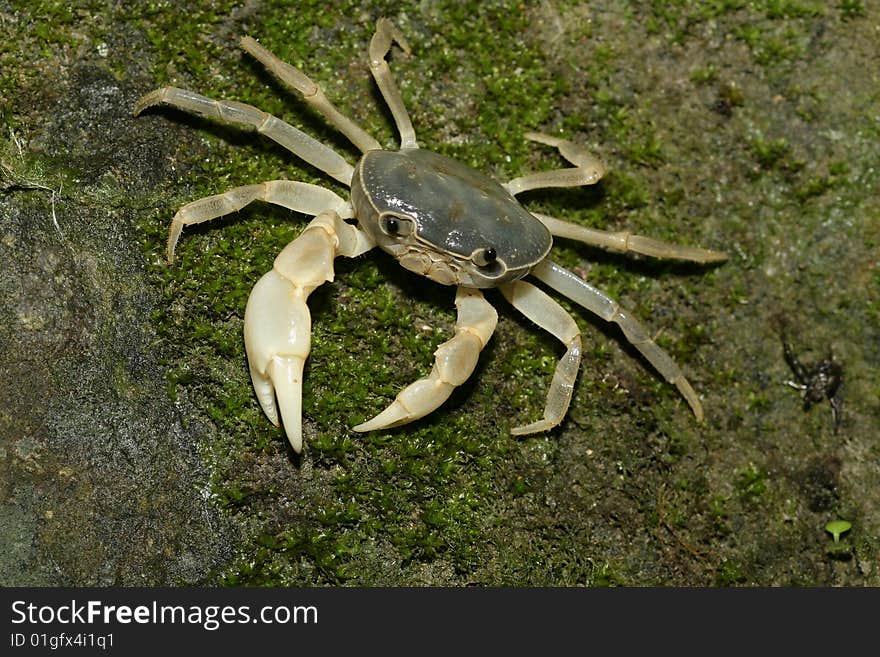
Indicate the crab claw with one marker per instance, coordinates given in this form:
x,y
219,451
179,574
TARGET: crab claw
x,y
277,338
454,361
278,325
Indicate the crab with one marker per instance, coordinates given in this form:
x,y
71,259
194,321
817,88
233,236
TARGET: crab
x,y
438,218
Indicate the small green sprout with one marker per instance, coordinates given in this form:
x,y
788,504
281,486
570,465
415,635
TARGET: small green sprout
x,y
838,527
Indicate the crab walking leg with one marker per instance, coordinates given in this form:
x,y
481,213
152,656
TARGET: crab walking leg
x,y
454,361
550,316
596,301
380,44
277,322
624,241
292,78
297,196
588,170
235,113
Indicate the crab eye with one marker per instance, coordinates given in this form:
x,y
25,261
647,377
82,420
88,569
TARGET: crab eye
x,y
394,225
484,257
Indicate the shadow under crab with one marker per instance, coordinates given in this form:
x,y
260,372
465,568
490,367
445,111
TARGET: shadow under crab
x,y
439,218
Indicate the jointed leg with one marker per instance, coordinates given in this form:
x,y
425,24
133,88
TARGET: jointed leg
x,y
228,111
454,361
296,196
277,322
587,168
596,301
625,241
549,315
295,79
380,44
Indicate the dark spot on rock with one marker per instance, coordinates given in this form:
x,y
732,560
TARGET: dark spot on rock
x,y
819,481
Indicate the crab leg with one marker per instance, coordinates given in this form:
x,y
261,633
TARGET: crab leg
x,y
549,315
296,196
454,361
380,44
292,78
624,241
596,301
277,322
587,168
235,113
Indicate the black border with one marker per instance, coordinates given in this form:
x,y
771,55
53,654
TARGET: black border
x,y
517,620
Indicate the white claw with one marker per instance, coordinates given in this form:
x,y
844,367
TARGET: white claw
x,y
286,373
277,338
277,322
278,325
454,360
265,394
415,401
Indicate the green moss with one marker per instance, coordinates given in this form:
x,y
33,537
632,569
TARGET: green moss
x,y
719,516
607,575
818,184
786,9
679,19
751,484
771,153
851,9
729,573
773,44
705,75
